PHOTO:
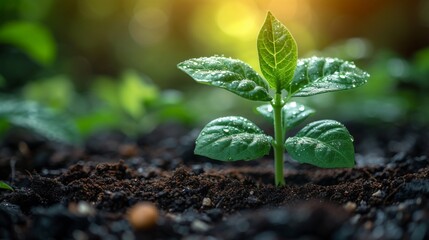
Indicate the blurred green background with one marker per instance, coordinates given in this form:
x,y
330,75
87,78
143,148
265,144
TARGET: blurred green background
x,y
112,64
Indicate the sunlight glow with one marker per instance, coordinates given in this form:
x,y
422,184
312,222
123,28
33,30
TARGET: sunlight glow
x,y
237,19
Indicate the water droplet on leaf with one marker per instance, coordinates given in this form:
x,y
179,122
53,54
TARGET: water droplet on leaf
x,y
246,85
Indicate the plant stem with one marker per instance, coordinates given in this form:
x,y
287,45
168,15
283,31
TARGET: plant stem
x,y
278,140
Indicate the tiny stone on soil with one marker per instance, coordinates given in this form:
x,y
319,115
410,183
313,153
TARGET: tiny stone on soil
x,y
378,194
199,226
82,208
368,225
350,206
143,216
128,150
207,202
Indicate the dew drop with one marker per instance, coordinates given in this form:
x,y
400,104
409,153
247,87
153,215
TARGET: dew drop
x,y
302,108
226,130
234,84
246,85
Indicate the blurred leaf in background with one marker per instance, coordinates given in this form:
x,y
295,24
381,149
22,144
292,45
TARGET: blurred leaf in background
x,y
56,92
85,58
173,105
32,38
34,117
98,120
135,93
27,44
132,103
420,70
131,94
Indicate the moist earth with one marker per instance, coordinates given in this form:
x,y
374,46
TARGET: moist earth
x,y
87,191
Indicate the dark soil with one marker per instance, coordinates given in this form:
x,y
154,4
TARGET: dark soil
x,y
64,192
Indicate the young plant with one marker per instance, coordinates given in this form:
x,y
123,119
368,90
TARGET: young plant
x,y
5,186
325,143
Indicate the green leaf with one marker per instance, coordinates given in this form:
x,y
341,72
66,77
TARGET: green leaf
x,y
34,117
59,87
6,186
277,52
266,111
100,119
319,75
231,139
230,74
293,113
34,39
135,92
325,144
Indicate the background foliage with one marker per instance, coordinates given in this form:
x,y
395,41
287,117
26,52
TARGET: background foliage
x,y
112,64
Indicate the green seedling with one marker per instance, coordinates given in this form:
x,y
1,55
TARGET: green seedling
x,y
325,143
6,186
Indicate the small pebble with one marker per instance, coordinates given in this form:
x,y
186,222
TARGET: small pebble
x,y
82,208
128,150
199,226
252,200
24,149
355,219
378,194
207,202
402,207
368,225
143,216
419,201
350,206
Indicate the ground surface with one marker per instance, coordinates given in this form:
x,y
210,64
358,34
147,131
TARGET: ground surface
x,y
64,192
